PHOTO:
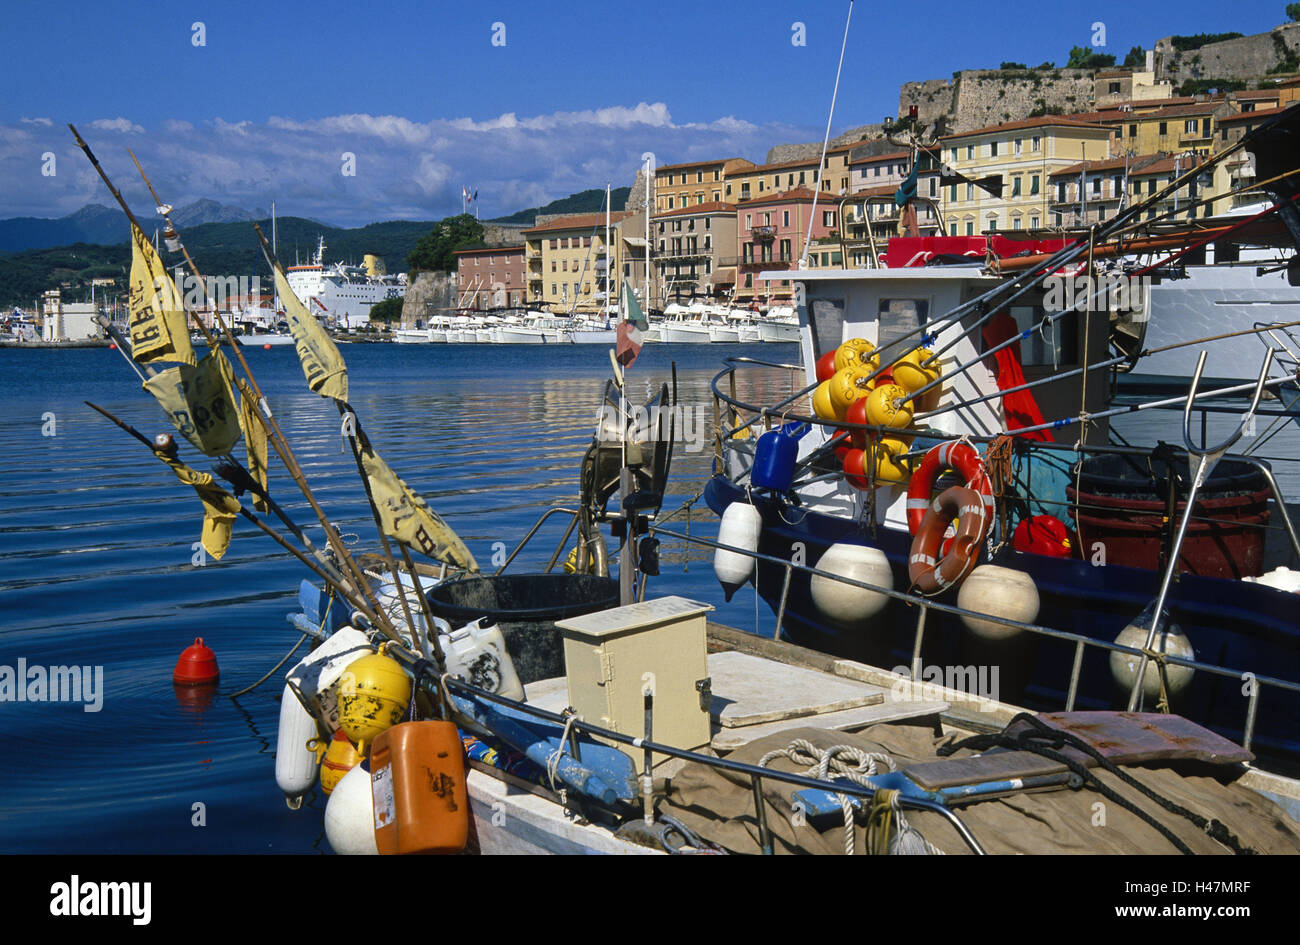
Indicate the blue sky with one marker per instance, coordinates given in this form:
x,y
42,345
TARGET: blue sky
x,y
419,93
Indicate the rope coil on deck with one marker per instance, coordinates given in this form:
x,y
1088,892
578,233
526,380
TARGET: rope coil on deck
x,y
856,765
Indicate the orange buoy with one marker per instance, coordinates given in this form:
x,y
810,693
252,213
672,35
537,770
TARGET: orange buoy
x,y
417,775
266,347
196,666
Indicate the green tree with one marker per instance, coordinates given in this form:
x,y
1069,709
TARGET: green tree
x,y
436,250
1293,11
1136,58
1082,57
389,310
1013,65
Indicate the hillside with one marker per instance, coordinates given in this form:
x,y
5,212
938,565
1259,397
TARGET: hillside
x,y
95,223
588,201
225,249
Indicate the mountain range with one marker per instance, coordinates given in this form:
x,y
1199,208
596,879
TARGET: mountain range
x,y
95,223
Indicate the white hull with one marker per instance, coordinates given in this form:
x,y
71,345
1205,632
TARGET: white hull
x,y
509,821
778,331
413,336
593,336
719,335
684,334
515,335
260,340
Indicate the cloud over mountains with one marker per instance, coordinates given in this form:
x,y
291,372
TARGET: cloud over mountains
x,y
402,169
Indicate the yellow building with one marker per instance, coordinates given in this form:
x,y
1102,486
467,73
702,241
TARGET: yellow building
x,y
695,183
1171,130
569,266
767,179
1024,154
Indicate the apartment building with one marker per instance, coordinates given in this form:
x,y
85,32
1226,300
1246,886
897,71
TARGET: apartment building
x,y
491,277
694,251
696,182
770,234
1024,154
569,264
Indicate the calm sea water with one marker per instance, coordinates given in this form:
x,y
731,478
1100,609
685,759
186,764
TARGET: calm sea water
x,y
96,544
95,563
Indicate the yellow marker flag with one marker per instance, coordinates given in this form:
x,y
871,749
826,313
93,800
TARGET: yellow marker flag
x,y
322,364
219,506
198,401
407,518
158,328
254,439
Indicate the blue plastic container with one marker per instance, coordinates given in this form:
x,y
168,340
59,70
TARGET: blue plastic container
x,y
775,455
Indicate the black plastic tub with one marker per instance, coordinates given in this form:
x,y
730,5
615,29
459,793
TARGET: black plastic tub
x,y
525,607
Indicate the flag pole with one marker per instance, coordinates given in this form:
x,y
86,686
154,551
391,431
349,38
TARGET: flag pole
x,y
268,422
272,427
126,209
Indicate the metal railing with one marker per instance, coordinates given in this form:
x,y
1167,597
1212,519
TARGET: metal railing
x,y
1079,641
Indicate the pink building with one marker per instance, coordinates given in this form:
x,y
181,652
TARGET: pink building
x,y
490,277
770,233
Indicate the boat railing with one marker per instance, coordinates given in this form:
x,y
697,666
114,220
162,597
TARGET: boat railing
x,y
925,605
559,548
757,776
729,435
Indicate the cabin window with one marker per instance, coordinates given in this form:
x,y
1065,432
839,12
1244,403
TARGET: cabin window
x,y
897,321
826,317
1054,344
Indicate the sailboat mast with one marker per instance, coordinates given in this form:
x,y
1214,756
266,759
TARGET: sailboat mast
x,y
275,253
609,260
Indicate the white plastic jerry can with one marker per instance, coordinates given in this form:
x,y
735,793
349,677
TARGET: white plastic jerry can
x,y
316,678
478,655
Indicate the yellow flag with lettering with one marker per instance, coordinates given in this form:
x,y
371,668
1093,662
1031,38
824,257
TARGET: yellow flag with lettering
x,y
322,364
254,440
219,506
198,401
158,328
407,518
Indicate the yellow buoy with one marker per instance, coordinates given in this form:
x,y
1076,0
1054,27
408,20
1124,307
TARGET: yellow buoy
x,y
845,387
884,410
822,405
891,468
909,372
374,694
856,352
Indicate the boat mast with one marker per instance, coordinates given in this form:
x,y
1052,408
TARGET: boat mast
x,y
275,253
608,259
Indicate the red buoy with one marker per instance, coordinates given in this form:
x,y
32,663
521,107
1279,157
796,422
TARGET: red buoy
x,y
112,346
197,665
266,347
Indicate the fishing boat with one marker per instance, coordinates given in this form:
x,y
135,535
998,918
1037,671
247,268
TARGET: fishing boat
x,y
950,450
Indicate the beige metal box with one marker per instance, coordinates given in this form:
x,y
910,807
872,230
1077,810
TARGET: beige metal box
x,y
612,657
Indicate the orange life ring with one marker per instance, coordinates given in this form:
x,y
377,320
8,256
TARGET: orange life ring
x,y
954,454
932,572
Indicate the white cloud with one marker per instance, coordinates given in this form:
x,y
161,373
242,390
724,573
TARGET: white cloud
x,y
404,168
44,122
124,125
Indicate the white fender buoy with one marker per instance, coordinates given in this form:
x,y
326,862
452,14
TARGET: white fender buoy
x,y
740,528
998,592
1170,640
350,815
1281,578
295,765
845,603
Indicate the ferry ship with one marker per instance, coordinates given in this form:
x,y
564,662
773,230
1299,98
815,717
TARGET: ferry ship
x,y
341,294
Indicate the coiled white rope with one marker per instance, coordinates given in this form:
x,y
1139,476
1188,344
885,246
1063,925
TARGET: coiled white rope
x,y
858,766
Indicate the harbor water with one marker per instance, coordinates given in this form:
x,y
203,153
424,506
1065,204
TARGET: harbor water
x,y
99,566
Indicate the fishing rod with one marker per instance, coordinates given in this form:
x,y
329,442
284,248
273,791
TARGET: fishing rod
x,y
232,470
353,432
269,424
264,412
329,576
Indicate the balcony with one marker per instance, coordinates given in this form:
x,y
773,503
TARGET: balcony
x,y
686,252
765,233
